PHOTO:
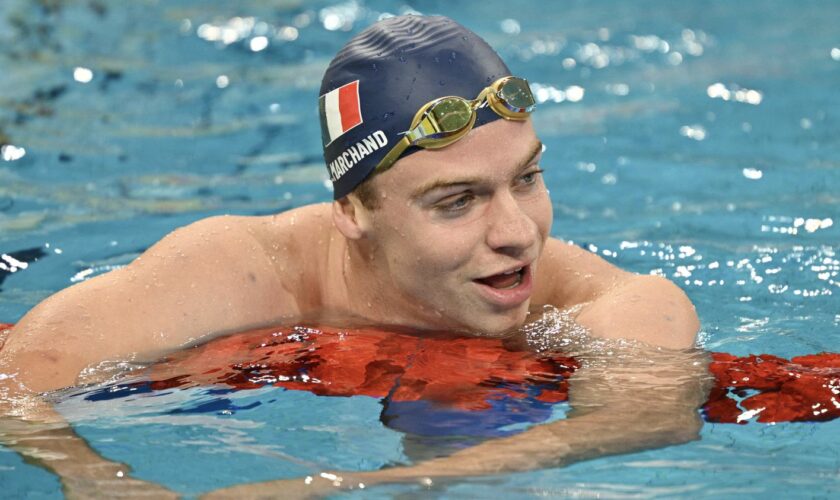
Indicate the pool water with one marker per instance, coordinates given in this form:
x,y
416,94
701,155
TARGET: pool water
x,y
696,141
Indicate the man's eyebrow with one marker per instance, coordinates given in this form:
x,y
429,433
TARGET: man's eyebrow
x,y
444,183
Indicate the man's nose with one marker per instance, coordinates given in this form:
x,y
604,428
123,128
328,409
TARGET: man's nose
x,y
510,229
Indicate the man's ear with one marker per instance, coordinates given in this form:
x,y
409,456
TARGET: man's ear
x,y
351,218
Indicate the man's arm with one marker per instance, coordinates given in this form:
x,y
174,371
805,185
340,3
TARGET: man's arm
x,y
208,278
29,426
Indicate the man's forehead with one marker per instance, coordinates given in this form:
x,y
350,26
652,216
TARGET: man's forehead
x,y
508,154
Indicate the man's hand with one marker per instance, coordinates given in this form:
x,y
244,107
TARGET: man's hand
x,y
117,487
304,487
30,426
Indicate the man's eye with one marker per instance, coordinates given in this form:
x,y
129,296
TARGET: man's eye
x,y
456,204
530,177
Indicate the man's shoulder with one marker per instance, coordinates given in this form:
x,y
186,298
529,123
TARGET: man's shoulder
x,y
299,224
277,233
281,254
283,241
568,275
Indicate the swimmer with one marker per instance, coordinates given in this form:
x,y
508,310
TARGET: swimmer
x,y
441,222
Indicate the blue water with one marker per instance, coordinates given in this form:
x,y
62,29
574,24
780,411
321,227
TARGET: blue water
x,y
695,141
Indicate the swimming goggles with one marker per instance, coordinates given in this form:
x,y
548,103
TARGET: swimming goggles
x,y
447,119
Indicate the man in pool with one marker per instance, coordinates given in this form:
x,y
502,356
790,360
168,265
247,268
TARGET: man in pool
x,y
440,222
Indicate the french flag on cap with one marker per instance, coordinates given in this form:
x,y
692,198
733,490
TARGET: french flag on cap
x,y
340,111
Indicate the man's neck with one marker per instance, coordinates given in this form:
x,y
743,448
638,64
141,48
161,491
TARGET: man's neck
x,y
360,282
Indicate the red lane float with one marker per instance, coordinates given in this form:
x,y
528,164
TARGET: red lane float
x,y
774,389
463,373
468,373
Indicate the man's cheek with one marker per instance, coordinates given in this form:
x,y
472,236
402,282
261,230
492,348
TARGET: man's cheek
x,y
446,264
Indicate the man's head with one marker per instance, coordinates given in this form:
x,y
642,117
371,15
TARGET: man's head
x,y
453,234
378,81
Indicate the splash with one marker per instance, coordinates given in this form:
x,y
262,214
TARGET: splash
x,y
557,331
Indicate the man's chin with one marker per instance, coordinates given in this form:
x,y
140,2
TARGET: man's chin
x,y
477,318
498,325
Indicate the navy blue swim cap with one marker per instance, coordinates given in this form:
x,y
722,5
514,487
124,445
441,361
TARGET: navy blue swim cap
x,y
376,84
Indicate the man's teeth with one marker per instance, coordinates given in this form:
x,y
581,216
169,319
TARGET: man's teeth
x,y
512,285
505,280
516,283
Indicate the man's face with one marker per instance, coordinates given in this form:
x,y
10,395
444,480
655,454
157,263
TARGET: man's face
x,y
459,230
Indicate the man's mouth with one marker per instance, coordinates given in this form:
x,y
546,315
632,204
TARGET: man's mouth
x,y
504,281
507,289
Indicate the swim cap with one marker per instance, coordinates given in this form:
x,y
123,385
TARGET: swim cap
x,y
376,84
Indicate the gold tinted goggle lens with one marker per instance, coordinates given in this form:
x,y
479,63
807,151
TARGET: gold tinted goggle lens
x,y
447,119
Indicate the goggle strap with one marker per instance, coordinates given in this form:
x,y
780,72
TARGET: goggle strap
x,y
394,154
